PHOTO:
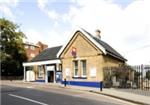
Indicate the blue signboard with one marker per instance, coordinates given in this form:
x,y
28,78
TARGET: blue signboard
x,y
58,76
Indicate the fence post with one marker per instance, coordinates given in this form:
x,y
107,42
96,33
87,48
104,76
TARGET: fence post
x,y
65,82
101,85
142,78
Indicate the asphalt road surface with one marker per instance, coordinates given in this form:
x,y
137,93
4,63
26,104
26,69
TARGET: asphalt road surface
x,y
30,96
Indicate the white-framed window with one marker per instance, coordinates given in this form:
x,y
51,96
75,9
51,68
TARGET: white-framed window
x,y
83,68
32,55
75,67
40,71
32,47
26,46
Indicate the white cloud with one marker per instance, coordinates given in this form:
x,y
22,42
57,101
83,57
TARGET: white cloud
x,y
6,7
42,4
33,35
124,29
52,38
140,56
11,3
52,14
6,11
56,39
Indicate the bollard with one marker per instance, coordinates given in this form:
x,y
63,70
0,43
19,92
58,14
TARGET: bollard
x,y
101,85
65,82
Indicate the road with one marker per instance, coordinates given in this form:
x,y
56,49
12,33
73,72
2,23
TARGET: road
x,y
30,96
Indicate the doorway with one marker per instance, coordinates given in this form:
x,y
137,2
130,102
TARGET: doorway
x,y
50,76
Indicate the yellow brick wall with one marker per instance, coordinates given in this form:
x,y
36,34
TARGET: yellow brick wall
x,y
83,46
92,62
109,61
85,51
89,52
37,73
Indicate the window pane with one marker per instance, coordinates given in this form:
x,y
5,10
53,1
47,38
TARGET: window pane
x,y
41,72
26,46
75,64
76,72
83,65
32,47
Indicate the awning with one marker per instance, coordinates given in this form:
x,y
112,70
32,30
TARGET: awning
x,y
41,62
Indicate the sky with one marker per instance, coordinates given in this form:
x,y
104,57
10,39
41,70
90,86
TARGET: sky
x,y
124,24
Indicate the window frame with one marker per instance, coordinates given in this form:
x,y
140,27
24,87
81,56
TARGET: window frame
x,y
75,68
32,55
82,72
40,72
26,46
32,47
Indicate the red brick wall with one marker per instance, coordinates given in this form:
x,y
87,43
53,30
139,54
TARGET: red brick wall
x,y
34,50
42,46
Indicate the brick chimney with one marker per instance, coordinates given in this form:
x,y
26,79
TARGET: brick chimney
x,y
98,32
42,46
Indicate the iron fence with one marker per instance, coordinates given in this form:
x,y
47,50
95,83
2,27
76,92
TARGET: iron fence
x,y
142,77
127,77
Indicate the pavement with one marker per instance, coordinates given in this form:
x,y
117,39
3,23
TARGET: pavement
x,y
123,95
116,93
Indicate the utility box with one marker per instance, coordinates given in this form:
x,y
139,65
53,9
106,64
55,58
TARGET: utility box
x,y
30,76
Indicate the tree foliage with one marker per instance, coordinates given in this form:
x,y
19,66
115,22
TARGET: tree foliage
x,y
12,50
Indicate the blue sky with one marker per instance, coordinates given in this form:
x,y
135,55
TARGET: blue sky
x,y
29,15
125,24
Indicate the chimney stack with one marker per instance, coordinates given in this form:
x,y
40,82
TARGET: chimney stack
x,y
98,32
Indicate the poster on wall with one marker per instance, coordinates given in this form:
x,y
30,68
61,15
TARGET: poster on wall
x,y
67,72
58,77
93,72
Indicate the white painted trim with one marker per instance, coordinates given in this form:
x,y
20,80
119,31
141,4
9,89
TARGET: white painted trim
x,y
75,76
39,69
80,58
74,68
41,62
54,77
46,77
81,64
53,69
24,73
89,37
84,76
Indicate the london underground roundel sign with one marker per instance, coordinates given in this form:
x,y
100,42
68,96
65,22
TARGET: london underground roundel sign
x,y
74,52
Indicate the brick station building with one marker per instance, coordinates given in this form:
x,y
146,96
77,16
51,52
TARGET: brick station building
x,y
80,60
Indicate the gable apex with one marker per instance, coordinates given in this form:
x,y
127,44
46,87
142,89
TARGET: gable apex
x,y
73,33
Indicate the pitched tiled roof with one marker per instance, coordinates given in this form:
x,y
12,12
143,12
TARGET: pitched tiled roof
x,y
47,54
107,47
51,53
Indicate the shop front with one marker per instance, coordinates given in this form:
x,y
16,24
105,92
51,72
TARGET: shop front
x,y
46,67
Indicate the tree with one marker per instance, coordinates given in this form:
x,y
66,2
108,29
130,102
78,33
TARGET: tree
x,y
12,49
